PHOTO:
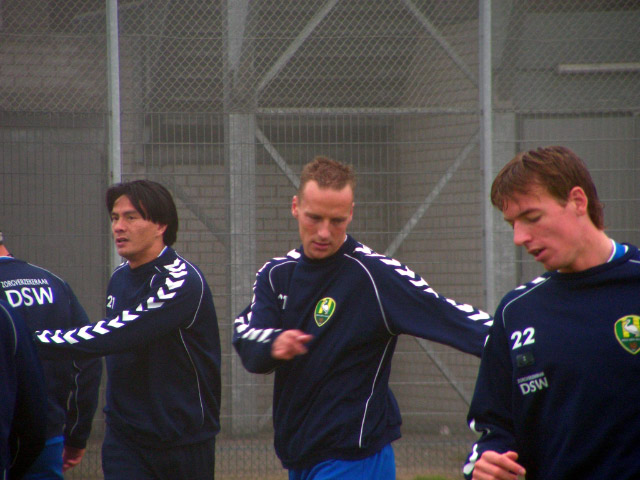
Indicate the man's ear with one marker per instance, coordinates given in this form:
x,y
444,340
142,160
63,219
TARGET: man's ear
x,y
580,200
161,229
294,206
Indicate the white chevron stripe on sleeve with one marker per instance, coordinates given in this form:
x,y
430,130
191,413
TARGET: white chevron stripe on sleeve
x,y
420,282
465,307
173,285
390,261
56,337
151,303
175,264
98,328
127,317
480,316
69,336
176,268
265,335
115,322
407,272
165,296
83,332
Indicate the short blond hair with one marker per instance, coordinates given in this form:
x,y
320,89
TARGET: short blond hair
x,y
327,173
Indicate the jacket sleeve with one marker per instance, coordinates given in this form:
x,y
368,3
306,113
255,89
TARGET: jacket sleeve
x,y
28,431
490,412
172,302
411,306
259,324
83,400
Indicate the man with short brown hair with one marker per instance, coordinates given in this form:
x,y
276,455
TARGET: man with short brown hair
x,y
326,317
556,395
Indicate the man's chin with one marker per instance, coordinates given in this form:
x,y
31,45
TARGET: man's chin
x,y
320,254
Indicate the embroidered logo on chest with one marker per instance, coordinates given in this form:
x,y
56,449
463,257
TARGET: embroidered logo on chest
x,y
627,330
324,310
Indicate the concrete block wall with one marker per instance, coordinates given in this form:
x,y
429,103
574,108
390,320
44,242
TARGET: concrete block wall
x,y
53,73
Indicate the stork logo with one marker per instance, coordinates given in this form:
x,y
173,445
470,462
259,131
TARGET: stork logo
x,y
627,330
324,310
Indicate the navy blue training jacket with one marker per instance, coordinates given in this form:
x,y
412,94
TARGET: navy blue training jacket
x,y
46,301
559,379
23,399
161,339
334,402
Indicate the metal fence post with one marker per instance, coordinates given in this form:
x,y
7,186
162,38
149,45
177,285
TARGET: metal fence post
x,y
113,86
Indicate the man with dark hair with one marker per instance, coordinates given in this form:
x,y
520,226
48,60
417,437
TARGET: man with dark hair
x,y
46,301
23,398
556,395
160,335
326,317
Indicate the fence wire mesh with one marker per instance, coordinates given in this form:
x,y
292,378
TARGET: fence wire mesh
x,y
223,102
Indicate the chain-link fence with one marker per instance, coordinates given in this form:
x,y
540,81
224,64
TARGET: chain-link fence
x,y
223,102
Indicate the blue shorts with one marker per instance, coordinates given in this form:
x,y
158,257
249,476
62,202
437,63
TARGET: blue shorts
x,y
48,465
381,466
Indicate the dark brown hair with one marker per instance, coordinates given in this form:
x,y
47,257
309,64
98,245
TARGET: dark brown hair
x,y
152,201
555,168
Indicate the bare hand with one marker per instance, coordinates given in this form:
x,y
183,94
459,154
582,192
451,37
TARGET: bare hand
x,y
498,466
290,344
71,457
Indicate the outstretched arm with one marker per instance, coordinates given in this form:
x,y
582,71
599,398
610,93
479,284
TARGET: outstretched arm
x,y
411,306
172,301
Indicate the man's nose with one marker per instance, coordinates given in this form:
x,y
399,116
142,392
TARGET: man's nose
x,y
323,229
521,234
117,225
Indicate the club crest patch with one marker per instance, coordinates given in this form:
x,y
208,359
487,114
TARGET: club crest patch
x,y
324,310
627,330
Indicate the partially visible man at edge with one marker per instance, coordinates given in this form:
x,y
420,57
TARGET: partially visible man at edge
x,y
47,301
23,395
326,317
160,336
557,392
